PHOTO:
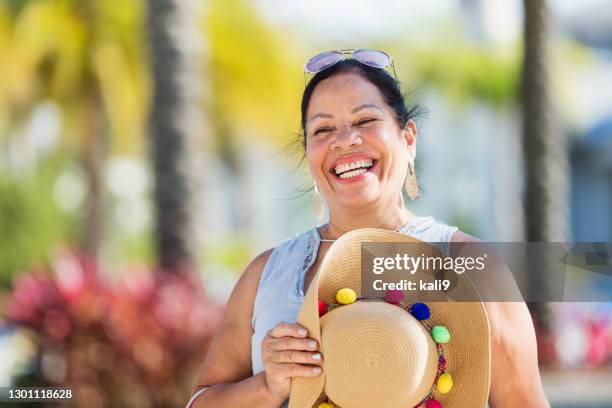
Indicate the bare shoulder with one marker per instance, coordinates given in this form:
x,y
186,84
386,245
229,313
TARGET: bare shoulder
x,y
504,317
245,290
252,273
240,304
460,236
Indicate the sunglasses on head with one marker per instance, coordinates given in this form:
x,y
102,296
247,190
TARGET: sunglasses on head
x,y
369,57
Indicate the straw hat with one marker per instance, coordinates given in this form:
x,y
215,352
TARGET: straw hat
x,y
378,354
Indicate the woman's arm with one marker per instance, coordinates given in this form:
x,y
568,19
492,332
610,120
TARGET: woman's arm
x,y
515,376
227,368
286,352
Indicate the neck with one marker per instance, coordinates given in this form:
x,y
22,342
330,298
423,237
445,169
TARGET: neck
x,y
342,221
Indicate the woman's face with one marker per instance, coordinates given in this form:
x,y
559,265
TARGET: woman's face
x,y
357,152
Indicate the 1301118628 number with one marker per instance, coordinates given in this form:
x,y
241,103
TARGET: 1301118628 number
x,y
37,394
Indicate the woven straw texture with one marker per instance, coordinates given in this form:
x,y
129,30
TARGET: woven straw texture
x,y
378,355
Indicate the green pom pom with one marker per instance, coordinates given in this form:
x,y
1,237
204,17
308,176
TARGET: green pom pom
x,y
440,334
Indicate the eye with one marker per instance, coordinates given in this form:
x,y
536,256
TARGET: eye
x,y
322,130
366,121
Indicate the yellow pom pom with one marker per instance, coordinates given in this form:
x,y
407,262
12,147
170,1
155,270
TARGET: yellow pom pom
x,y
326,405
346,296
445,383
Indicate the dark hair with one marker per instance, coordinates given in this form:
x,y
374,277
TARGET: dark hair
x,y
387,85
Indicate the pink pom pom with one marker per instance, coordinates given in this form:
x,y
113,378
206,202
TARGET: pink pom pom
x,y
441,363
394,296
322,308
433,404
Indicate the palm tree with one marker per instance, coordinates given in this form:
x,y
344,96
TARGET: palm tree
x,y
176,120
546,163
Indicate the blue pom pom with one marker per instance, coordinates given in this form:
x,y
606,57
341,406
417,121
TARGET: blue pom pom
x,y
420,311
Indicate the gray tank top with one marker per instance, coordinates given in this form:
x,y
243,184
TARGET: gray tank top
x,y
281,287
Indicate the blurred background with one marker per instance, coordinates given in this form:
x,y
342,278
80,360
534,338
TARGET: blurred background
x,y
149,150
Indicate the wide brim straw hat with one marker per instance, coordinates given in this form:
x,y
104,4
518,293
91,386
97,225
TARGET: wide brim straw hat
x,y
377,354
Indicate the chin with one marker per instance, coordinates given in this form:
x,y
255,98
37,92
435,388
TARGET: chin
x,y
360,199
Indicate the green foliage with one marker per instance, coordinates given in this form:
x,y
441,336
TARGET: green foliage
x,y
467,72
73,52
232,253
30,222
120,63
255,77
89,59
127,249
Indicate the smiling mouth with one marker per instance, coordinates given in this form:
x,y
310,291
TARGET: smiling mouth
x,y
354,169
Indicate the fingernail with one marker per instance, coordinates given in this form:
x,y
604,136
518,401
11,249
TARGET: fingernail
x,y
312,344
302,332
316,370
316,356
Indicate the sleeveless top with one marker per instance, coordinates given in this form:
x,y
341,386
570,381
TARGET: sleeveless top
x,y
281,287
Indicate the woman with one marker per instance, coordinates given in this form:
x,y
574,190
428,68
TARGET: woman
x,y
360,144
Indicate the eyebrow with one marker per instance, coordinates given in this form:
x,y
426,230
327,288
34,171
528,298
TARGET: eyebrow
x,y
366,105
354,110
321,115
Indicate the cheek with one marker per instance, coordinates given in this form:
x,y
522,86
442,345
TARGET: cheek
x,y
381,133
315,154
383,139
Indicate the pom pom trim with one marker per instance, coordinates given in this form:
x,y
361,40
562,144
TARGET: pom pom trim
x,y
421,313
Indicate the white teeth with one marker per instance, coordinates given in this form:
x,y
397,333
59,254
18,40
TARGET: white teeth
x,y
352,173
341,168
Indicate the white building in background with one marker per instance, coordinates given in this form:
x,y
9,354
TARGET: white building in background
x,y
470,165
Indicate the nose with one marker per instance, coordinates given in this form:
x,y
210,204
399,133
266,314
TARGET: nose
x,y
345,138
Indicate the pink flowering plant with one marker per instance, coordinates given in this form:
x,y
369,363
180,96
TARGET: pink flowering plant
x,y
137,342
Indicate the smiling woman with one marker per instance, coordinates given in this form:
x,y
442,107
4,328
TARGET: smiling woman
x,y
359,138
360,144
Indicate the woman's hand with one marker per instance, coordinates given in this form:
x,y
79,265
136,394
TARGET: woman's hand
x,y
286,352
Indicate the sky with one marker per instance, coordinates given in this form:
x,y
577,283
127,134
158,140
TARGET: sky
x,y
324,20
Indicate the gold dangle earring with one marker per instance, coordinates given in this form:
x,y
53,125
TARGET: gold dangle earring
x,y
318,205
411,184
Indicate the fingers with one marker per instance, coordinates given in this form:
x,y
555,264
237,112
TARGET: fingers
x,y
288,329
290,350
291,343
287,370
293,356
287,352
